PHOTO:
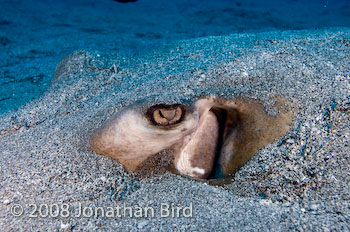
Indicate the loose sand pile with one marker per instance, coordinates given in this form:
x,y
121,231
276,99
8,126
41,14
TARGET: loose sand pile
x,y
300,182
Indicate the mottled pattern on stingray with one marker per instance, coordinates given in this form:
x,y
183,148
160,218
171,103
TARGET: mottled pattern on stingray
x,y
211,139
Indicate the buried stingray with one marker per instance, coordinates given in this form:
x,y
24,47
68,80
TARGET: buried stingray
x,y
210,139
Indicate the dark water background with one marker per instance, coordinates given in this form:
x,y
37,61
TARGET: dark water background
x,y
35,35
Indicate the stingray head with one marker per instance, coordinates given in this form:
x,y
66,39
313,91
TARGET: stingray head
x,y
210,139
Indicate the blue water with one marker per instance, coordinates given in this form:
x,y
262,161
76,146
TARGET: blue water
x,y
35,35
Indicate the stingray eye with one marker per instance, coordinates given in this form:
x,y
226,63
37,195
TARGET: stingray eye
x,y
166,115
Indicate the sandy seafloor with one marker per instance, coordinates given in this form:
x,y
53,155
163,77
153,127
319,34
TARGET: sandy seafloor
x,y
300,182
36,34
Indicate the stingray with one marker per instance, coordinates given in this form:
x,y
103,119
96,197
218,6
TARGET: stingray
x,y
209,139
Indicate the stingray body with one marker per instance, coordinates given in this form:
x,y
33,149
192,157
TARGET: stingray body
x,y
210,139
